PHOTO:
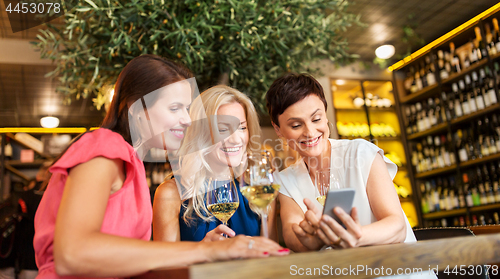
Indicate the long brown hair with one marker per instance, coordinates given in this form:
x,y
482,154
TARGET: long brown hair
x,y
141,76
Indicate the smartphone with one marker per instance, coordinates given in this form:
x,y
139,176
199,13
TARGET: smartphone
x,y
342,198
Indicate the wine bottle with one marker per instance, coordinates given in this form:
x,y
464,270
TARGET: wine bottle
x,y
431,110
489,86
480,185
455,60
462,151
482,52
467,189
472,52
443,73
483,87
423,201
470,94
457,102
418,82
490,194
414,125
464,100
431,77
423,74
408,120
497,36
495,182
476,89
490,44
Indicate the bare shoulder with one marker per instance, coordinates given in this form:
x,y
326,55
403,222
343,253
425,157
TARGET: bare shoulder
x,y
167,190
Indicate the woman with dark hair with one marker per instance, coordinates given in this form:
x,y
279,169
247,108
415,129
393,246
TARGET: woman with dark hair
x,y
95,217
297,106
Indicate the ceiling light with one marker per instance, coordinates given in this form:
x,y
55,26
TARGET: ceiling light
x,y
49,122
385,51
340,82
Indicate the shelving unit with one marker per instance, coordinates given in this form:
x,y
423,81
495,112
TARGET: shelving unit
x,y
344,92
17,167
404,99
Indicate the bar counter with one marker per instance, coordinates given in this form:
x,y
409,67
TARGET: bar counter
x,y
431,254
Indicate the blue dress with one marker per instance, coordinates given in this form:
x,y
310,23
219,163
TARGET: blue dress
x,y
244,221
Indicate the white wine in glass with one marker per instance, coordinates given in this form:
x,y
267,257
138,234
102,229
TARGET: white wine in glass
x,y
325,181
258,184
222,198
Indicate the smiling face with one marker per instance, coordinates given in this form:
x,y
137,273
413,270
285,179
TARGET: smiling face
x,y
230,150
305,127
169,116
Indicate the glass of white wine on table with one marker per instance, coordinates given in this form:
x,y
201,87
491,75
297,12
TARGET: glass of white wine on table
x,y
258,184
222,198
326,180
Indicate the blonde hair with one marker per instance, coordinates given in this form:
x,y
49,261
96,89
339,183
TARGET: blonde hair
x,y
197,143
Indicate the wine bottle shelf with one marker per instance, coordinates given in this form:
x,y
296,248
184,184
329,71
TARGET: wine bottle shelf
x,y
481,160
436,129
485,207
456,76
494,57
12,138
19,164
436,172
474,114
445,213
421,95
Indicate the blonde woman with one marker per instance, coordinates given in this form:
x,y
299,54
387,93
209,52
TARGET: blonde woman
x,y
184,216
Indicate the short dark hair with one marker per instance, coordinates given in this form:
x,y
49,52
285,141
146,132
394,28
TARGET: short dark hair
x,y
288,90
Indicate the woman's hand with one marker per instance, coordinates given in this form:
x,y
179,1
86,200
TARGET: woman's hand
x,y
305,231
218,233
333,234
241,246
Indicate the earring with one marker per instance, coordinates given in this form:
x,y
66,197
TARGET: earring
x,y
283,141
330,128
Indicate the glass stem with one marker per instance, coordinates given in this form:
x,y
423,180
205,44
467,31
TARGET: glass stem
x,y
265,232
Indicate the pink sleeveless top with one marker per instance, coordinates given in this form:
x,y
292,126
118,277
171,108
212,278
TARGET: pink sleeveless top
x,y
128,213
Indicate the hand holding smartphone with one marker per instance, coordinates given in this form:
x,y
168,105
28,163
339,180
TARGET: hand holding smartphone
x,y
342,198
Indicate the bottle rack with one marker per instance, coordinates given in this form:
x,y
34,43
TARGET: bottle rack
x,y
442,89
367,109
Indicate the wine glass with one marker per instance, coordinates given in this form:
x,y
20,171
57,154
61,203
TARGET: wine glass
x,y
222,198
325,181
258,184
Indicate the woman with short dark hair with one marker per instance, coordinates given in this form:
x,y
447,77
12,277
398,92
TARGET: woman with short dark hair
x,y
297,106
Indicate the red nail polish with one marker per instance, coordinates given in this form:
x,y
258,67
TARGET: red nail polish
x,y
266,253
284,250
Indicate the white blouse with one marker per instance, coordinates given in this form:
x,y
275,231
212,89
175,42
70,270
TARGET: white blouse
x,y
351,160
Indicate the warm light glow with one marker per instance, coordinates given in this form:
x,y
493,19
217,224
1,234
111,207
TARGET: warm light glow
x,y
111,94
385,51
49,122
340,82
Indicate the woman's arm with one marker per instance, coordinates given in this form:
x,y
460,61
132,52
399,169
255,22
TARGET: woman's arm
x,y
271,222
384,202
166,209
80,249
297,232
